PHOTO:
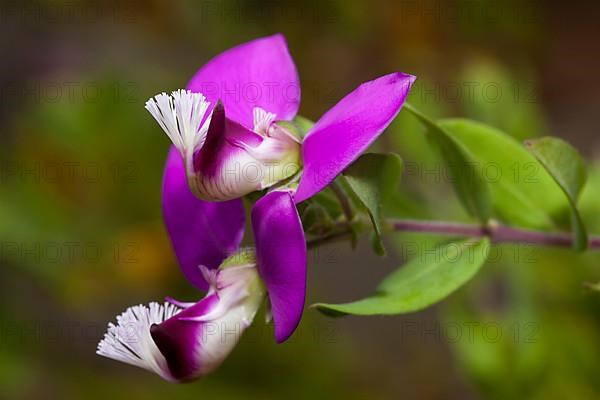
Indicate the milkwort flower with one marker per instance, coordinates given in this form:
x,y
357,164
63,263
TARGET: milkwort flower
x,y
182,341
224,160
215,136
231,131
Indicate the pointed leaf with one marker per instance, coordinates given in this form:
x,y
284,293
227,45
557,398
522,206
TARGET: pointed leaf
x,y
469,185
423,281
522,193
567,168
372,178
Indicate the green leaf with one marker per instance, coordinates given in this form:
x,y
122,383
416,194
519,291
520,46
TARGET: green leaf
x,y
298,127
372,178
567,168
588,204
328,201
469,185
423,281
303,124
316,220
522,193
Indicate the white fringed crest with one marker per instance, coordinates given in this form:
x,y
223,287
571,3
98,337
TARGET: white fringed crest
x,y
262,120
129,341
180,115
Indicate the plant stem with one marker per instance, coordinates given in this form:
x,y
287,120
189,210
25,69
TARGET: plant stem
x,y
343,199
496,232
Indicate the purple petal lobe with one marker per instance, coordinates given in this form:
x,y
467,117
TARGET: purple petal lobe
x,y
234,161
179,340
220,166
202,233
197,340
260,73
281,256
348,129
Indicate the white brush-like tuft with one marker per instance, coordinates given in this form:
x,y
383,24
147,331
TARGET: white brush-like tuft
x,y
262,120
129,341
180,115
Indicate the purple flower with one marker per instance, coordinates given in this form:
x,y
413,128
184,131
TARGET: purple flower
x,y
236,100
183,341
228,123
223,159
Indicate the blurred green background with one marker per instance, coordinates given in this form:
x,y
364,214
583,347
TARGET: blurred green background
x,y
81,165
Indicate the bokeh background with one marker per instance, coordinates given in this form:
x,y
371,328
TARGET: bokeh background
x,y
81,165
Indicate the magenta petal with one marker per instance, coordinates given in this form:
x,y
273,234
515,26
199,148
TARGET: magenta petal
x,y
181,341
202,233
224,170
346,130
260,73
281,256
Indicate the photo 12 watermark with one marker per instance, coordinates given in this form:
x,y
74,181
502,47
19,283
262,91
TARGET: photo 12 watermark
x,y
470,332
29,12
73,332
69,252
470,12
68,172
471,172
469,92
458,253
70,92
